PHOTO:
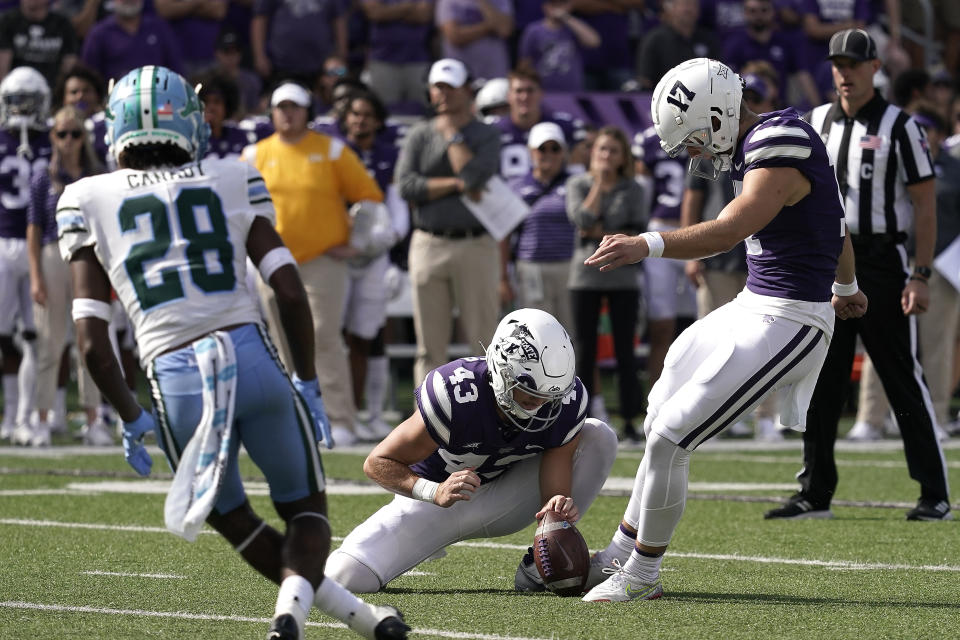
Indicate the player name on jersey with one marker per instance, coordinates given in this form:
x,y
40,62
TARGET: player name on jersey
x,y
150,178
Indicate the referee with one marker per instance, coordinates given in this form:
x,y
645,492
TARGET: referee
x,y
886,177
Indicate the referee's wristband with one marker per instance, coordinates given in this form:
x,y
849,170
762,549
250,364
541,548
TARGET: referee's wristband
x,y
425,490
844,290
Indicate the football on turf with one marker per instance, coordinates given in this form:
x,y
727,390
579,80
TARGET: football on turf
x,y
561,555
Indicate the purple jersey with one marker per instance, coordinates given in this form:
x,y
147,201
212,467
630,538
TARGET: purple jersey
x,y
514,154
379,160
16,172
555,55
782,51
231,142
546,234
795,255
457,404
669,174
259,126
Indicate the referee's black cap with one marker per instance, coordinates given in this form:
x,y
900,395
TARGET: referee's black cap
x,y
852,43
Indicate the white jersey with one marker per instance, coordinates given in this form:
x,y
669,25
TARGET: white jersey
x,y
172,242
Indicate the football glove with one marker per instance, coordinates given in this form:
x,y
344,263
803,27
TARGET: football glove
x,y
309,390
133,449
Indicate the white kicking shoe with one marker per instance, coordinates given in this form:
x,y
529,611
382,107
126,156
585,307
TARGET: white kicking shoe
x,y
97,434
343,437
22,435
41,435
766,431
598,562
622,587
380,427
864,432
6,430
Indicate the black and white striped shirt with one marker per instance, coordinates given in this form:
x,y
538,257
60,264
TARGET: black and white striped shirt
x,y
876,154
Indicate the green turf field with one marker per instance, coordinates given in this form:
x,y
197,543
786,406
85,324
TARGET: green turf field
x,y
85,555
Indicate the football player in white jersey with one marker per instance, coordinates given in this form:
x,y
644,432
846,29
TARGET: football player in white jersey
x,y
171,235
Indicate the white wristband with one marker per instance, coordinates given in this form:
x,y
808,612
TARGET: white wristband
x,y
844,290
273,260
425,490
91,308
654,243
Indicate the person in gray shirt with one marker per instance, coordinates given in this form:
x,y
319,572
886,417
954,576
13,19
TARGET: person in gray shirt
x,y
607,199
453,261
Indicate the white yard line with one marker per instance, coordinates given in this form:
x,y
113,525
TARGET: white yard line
x,y
121,574
832,564
179,615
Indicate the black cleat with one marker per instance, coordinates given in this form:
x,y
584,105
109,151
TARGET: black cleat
x,y
930,510
799,507
283,627
392,627
528,577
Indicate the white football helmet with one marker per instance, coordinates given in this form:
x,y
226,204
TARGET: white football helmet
x,y
697,104
531,351
24,99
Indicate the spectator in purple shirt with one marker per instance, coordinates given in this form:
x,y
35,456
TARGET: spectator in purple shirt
x,y
229,62
552,46
292,39
33,36
129,39
475,32
196,24
543,242
610,66
821,19
760,39
399,48
221,99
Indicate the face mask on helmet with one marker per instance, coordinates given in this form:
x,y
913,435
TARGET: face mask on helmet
x,y
24,98
531,353
697,105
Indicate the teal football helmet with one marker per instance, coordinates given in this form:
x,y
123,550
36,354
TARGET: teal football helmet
x,y
153,104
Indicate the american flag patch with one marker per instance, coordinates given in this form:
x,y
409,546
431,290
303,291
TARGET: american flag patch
x,y
165,112
871,142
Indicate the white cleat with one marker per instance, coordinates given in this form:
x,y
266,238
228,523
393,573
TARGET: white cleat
x,y
6,430
622,587
767,431
599,562
41,435
380,428
97,434
864,432
22,435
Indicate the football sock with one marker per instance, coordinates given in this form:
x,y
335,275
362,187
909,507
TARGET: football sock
x,y
334,600
296,598
27,382
643,565
11,397
59,416
621,545
378,374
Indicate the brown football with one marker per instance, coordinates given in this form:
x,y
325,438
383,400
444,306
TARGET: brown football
x,y
561,555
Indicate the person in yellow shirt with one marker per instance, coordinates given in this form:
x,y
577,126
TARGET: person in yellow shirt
x,y
313,178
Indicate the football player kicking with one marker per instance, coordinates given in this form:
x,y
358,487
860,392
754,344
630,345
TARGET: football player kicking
x,y
172,236
493,444
774,335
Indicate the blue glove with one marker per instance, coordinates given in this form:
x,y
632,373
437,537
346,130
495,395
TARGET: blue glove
x,y
309,390
133,449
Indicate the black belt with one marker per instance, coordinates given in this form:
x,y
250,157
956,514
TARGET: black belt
x,y
454,234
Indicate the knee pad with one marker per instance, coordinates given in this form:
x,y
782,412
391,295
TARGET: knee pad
x,y
351,574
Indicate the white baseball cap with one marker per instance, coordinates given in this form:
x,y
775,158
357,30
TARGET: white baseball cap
x,y
546,132
448,71
290,91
